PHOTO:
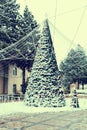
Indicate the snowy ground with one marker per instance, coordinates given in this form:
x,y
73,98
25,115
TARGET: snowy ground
x,y
15,107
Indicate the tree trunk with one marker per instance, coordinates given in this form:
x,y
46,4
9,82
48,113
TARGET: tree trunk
x,y
82,86
77,84
23,75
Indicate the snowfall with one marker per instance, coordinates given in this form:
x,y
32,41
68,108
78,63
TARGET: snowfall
x,y
20,107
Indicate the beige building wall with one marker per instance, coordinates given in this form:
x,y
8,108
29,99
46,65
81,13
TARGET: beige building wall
x,y
14,80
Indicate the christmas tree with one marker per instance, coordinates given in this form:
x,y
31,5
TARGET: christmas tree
x,y
74,101
43,82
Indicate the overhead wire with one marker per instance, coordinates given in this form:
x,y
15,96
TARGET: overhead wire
x,y
21,40
55,20
79,24
64,36
69,11
78,27
60,32
10,52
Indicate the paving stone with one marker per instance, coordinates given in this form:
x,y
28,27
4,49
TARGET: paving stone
x,y
14,124
74,120
4,129
78,126
41,127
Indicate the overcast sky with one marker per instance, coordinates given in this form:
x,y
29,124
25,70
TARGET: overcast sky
x,y
68,22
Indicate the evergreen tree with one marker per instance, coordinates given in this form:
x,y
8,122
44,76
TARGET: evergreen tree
x,y
26,23
14,26
8,21
30,22
74,66
74,100
43,83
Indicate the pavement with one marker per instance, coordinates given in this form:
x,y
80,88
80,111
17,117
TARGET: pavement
x,y
68,120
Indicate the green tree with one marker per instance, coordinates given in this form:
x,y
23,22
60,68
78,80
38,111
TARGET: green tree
x,y
30,22
14,26
44,72
8,21
74,66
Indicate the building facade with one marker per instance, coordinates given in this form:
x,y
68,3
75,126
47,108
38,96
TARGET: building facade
x,y
11,79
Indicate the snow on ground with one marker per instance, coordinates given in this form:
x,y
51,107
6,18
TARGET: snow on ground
x,y
15,107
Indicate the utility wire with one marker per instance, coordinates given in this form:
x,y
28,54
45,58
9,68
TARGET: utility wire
x,y
61,33
55,20
69,11
64,36
79,24
78,27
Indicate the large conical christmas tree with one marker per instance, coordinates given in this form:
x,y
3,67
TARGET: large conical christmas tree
x,y
42,89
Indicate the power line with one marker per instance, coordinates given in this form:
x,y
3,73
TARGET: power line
x,y
20,41
69,11
61,33
79,24
65,37
55,20
72,42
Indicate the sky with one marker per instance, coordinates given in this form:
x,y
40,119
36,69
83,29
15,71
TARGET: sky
x,y
67,20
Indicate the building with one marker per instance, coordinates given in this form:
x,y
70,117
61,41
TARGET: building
x,y
11,79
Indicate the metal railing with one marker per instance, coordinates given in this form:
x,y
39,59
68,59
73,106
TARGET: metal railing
x,y
11,97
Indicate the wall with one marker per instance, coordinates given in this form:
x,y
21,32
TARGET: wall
x,y
11,79
14,79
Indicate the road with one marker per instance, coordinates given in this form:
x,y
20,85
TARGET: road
x,y
74,120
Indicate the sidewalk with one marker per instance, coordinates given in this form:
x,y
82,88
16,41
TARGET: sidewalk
x,y
68,120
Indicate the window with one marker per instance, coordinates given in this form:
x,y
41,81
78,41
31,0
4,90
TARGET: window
x,y
14,71
14,89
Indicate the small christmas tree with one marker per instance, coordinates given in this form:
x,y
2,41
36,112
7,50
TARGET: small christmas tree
x,y
43,83
74,101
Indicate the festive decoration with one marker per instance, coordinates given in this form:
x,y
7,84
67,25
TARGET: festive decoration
x,y
74,102
43,88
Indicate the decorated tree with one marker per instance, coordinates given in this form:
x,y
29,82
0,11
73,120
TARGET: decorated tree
x,y
43,86
74,100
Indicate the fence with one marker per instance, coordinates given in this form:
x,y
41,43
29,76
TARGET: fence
x,y
9,98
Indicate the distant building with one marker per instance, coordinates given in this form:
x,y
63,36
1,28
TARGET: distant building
x,y
79,87
11,79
